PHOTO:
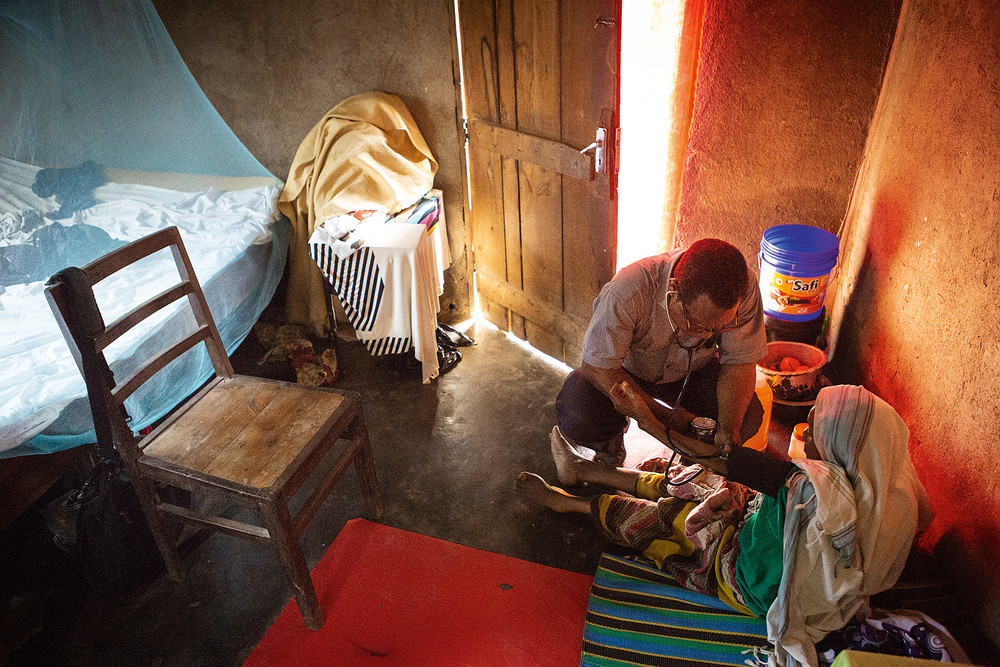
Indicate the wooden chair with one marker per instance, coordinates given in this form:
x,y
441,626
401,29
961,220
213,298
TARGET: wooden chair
x,y
242,439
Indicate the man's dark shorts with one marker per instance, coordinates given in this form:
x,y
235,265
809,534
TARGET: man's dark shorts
x,y
587,416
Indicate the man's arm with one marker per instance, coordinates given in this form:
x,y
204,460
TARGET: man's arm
x,y
627,397
735,391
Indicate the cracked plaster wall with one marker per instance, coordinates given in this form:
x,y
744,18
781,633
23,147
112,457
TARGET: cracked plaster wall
x,y
273,68
920,329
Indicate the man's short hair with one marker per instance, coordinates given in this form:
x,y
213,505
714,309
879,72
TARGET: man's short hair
x,y
712,267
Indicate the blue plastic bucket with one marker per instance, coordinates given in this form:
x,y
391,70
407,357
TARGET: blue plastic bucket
x,y
795,266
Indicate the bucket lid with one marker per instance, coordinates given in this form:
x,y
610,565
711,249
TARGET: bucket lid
x,y
798,243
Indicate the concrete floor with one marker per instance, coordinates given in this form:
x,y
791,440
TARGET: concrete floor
x,y
446,455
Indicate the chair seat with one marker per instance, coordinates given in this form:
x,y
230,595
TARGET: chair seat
x,y
246,430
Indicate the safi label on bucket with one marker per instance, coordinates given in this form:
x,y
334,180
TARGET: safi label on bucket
x,y
795,266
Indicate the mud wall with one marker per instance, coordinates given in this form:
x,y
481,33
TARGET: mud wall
x,y
920,327
273,68
793,124
785,94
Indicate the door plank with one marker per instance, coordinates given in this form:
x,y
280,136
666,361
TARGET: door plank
x,y
478,27
508,118
557,320
537,74
551,155
589,57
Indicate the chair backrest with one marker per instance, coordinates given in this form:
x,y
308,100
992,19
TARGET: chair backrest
x,y
70,294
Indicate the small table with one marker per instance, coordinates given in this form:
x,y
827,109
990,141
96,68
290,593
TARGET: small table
x,y
389,287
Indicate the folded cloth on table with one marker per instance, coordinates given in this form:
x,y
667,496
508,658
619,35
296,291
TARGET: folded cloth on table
x,y
336,232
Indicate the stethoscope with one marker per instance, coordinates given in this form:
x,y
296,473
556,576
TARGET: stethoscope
x,y
675,332
676,451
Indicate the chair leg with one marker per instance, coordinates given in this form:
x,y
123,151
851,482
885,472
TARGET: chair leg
x,y
364,464
286,541
168,551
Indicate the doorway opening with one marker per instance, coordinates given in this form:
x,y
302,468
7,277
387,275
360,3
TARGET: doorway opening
x,y
659,58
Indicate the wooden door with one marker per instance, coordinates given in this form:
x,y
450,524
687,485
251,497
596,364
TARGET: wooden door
x,y
540,78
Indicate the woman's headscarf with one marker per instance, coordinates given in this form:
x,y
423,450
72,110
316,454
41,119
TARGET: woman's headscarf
x,y
862,434
850,522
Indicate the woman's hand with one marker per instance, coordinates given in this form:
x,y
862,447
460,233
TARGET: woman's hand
x,y
627,401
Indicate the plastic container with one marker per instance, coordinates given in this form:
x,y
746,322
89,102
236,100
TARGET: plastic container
x,y
795,263
798,385
798,332
797,443
758,440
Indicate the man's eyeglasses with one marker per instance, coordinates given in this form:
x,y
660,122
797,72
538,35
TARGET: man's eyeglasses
x,y
696,328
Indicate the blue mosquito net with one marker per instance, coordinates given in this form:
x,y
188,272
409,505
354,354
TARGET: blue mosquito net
x,y
106,136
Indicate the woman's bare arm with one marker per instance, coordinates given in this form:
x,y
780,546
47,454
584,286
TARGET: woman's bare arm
x,y
605,379
628,400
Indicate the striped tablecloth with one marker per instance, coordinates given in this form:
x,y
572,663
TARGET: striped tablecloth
x,y
389,287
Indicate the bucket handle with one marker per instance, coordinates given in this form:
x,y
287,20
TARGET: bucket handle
x,y
833,271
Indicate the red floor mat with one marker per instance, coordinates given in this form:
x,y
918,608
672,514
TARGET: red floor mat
x,y
393,597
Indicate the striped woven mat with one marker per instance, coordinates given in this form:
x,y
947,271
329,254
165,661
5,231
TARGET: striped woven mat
x,y
637,615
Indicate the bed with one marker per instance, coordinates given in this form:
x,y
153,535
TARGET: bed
x,y
237,241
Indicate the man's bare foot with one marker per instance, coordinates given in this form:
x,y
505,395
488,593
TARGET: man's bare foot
x,y
567,459
533,488
614,454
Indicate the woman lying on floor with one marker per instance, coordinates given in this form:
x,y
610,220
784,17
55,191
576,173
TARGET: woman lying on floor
x,y
803,542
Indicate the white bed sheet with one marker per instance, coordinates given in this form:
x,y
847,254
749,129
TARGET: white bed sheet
x,y
38,376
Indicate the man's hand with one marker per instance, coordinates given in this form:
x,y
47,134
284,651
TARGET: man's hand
x,y
606,379
627,400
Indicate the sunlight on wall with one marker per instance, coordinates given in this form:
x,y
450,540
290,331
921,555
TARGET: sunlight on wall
x,y
651,31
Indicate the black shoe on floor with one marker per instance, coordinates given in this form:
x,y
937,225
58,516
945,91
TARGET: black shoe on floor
x,y
449,336
448,358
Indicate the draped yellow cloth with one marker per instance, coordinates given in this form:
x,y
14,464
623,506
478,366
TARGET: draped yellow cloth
x,y
365,154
